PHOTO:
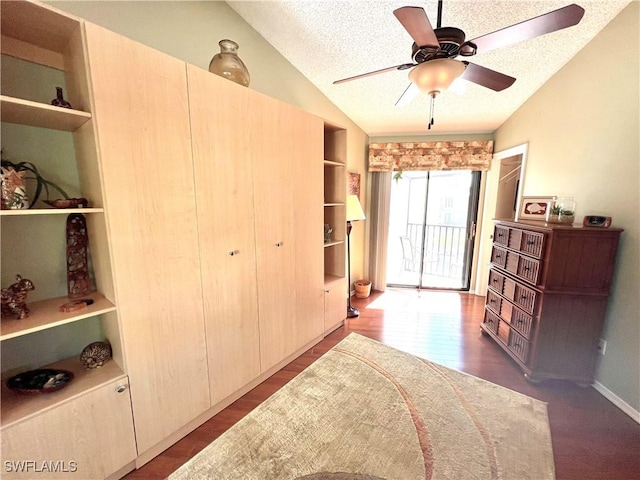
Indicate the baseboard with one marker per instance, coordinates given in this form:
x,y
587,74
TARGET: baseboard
x,y
617,401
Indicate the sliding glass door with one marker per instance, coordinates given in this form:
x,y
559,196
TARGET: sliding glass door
x,y
431,229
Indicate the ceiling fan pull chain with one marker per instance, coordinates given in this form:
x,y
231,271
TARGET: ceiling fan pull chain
x,y
430,124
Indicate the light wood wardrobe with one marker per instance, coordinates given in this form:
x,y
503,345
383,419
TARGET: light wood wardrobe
x,y
207,243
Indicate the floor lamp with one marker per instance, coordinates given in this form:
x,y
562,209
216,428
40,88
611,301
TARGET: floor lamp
x,y
354,213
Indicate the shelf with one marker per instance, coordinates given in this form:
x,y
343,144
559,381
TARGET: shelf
x,y
48,211
16,408
332,278
335,242
46,314
334,204
26,112
331,163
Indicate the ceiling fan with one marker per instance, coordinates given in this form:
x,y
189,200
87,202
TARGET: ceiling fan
x,y
433,68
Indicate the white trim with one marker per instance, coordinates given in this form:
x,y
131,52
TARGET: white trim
x,y
522,150
617,401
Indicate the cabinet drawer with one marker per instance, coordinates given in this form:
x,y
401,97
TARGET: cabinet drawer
x,y
491,320
493,301
529,243
496,281
532,244
516,318
525,297
521,321
498,256
501,235
524,267
518,345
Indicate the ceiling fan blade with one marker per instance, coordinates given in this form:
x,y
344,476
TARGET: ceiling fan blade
x,y
408,95
486,77
416,22
549,22
403,66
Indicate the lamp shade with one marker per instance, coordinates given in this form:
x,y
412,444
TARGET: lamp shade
x,y
354,209
436,76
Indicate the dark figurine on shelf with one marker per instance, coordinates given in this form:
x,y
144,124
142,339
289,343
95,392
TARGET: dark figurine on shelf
x,y
59,101
14,298
78,282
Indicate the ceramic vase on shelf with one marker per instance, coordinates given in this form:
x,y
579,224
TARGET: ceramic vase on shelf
x,y
227,64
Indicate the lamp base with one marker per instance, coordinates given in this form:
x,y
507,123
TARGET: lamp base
x,y
352,312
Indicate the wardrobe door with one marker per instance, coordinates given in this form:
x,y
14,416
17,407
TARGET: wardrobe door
x,y
306,142
142,124
224,190
270,125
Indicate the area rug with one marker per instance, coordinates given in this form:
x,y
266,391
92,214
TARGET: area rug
x,y
367,411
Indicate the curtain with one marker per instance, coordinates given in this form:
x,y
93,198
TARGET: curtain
x,y
379,229
440,155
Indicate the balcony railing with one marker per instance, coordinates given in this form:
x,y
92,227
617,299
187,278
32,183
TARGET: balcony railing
x,y
444,249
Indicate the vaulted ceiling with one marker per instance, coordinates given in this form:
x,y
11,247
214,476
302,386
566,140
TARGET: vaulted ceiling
x,y
329,40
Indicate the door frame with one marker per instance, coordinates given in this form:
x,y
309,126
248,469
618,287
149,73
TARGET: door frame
x,y
484,237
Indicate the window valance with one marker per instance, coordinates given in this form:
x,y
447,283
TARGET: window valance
x,y
451,155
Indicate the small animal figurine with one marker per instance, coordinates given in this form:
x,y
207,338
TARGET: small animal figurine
x,y
95,354
14,298
59,101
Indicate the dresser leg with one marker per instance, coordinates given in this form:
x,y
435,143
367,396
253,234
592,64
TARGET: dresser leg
x,y
532,380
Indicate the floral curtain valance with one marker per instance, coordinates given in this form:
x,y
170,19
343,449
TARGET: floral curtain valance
x,y
452,155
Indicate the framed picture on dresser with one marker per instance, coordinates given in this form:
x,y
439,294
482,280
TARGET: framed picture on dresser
x,y
534,208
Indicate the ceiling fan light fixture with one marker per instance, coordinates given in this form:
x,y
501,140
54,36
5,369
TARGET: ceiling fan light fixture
x,y
436,75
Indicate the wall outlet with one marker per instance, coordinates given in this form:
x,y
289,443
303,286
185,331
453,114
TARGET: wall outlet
x,y
602,346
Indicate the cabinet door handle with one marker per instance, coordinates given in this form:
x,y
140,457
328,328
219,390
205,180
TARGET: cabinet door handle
x,y
326,291
234,252
121,388
278,244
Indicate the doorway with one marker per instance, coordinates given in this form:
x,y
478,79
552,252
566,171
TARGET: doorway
x,y
432,229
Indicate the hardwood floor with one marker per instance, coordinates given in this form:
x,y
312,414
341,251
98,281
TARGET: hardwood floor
x,y
592,439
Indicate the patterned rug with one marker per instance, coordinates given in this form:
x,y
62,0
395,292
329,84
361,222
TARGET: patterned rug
x,y
366,411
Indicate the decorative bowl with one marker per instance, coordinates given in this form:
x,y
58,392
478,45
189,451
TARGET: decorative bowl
x,y
43,380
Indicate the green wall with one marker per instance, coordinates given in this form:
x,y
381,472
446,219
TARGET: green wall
x,y
190,31
583,132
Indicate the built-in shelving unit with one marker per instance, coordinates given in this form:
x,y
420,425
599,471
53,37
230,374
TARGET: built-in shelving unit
x,y
41,35
17,408
335,191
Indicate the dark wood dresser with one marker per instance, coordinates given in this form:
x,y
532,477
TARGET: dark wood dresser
x,y
547,296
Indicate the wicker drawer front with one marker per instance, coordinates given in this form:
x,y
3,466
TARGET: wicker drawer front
x,y
501,235
524,267
496,281
493,301
499,256
525,298
532,244
528,269
518,345
491,320
521,321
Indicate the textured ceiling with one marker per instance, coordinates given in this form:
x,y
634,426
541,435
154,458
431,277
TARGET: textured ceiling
x,y
331,40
